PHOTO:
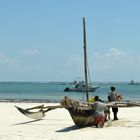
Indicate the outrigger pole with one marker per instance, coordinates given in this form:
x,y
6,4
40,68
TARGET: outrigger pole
x,y
85,58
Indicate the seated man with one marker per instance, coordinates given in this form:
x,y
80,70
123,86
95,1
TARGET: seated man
x,y
99,112
92,99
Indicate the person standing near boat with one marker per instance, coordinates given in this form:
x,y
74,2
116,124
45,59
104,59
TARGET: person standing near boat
x,y
99,114
112,97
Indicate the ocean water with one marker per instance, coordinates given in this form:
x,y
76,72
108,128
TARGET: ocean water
x,y
54,91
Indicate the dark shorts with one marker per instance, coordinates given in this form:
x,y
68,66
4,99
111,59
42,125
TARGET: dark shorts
x,y
115,109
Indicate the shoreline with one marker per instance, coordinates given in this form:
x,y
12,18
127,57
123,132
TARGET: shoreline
x,y
29,101
47,101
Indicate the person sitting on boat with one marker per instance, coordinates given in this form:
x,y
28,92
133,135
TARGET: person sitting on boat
x,y
99,112
92,99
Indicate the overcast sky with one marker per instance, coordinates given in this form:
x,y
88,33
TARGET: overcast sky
x,y
43,40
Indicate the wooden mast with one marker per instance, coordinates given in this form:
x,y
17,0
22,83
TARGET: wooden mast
x,y
85,59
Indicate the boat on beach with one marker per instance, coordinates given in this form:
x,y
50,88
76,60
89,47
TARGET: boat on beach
x,y
80,112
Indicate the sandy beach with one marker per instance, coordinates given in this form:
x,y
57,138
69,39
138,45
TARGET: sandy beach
x,y
58,125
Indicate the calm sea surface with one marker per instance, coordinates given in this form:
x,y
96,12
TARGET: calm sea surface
x,y
53,91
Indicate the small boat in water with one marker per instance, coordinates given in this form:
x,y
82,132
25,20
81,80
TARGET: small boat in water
x,y
80,86
134,83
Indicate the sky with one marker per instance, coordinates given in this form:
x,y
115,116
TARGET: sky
x,y
43,40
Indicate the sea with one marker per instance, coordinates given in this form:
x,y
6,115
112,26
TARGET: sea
x,y
54,91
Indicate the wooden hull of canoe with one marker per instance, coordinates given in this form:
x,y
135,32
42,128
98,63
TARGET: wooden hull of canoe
x,y
81,118
82,115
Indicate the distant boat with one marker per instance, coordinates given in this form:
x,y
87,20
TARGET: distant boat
x,y
80,86
83,86
134,83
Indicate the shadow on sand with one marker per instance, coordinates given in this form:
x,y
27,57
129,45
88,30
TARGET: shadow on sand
x,y
27,122
67,129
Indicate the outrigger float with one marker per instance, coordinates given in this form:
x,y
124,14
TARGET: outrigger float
x,y
81,113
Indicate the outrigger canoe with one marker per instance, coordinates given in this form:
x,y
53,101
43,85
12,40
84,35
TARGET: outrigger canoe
x,y
81,113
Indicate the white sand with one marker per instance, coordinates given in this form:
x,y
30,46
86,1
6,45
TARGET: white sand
x,y
58,125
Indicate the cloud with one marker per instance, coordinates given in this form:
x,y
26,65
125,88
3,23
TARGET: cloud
x,y
73,67
30,51
10,64
7,63
111,59
103,61
116,64
112,65
38,68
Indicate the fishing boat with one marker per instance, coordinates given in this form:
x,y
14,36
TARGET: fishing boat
x,y
80,112
80,86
